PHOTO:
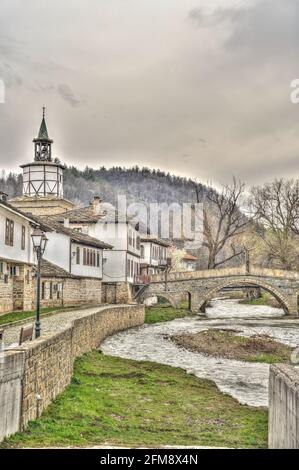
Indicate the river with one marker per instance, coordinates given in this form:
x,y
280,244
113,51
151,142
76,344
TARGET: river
x,y
247,382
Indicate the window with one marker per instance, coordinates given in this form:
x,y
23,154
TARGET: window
x,y
14,270
23,237
128,268
138,243
9,232
51,290
142,251
84,256
77,255
98,259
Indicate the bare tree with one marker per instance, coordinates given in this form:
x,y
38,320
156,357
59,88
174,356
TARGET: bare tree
x,y
275,207
223,221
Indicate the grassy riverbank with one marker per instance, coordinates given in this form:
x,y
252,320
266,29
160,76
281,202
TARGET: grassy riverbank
x,y
266,299
119,402
229,345
162,313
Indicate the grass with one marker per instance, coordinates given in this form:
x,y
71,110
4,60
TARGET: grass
x,y
20,315
265,299
120,402
165,313
227,344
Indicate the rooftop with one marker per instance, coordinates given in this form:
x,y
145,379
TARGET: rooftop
x,y
43,131
188,257
11,208
48,224
52,270
154,239
92,214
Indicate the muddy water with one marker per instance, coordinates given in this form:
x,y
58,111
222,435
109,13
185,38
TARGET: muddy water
x,y
247,382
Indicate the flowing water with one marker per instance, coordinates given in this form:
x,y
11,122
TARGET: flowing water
x,y
247,382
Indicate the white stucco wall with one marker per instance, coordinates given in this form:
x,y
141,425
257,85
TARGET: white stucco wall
x,y
147,253
114,234
135,262
114,266
15,252
58,249
81,269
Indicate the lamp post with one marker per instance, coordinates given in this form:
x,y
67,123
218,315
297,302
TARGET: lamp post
x,y
39,241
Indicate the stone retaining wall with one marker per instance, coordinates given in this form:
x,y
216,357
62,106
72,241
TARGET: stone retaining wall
x,y
45,366
284,407
75,292
116,293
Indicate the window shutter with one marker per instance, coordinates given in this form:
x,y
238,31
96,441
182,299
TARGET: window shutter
x,y
7,230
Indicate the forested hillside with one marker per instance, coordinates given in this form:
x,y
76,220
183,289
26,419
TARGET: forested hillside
x,y
145,185
138,184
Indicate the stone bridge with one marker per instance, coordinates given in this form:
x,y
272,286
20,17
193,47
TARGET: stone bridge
x,y
201,286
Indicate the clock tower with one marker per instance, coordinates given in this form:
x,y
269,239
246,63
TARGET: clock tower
x,y
42,179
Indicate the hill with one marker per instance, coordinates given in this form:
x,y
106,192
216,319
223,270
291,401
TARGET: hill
x,y
138,184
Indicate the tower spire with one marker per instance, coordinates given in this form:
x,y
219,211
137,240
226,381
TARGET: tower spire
x,y
43,142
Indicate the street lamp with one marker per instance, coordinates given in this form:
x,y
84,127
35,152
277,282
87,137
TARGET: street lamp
x,y
39,241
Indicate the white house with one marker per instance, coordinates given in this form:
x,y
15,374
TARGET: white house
x,y
16,258
153,257
72,268
189,262
121,264
75,252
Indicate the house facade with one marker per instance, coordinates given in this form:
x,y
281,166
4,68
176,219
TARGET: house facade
x,y
121,264
189,262
153,256
17,259
72,269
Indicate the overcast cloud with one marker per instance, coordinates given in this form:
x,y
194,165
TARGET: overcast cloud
x,y
195,87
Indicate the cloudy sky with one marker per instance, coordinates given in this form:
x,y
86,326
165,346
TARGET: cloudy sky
x,y
195,87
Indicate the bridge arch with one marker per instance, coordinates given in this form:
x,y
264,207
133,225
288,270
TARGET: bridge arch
x,y
254,282
173,298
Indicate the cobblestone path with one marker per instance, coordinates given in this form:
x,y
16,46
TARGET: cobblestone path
x,y
50,324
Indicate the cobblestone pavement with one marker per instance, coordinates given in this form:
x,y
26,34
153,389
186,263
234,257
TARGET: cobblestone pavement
x,y
50,324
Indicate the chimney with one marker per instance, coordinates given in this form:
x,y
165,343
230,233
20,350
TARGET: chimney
x,y
95,204
3,196
66,223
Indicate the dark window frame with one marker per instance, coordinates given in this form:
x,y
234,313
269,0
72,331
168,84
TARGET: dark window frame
x,y
23,238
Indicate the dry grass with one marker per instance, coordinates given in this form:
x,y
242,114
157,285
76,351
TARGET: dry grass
x,y
227,344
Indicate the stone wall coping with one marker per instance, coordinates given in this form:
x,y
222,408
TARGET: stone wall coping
x,y
288,372
11,365
216,273
48,314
